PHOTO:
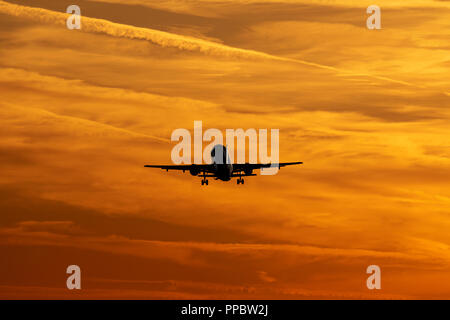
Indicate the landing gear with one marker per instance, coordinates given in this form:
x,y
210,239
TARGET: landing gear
x,y
240,181
204,180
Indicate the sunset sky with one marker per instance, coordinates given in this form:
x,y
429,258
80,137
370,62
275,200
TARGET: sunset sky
x,y
367,111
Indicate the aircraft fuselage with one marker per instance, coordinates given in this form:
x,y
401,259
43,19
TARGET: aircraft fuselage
x,y
222,163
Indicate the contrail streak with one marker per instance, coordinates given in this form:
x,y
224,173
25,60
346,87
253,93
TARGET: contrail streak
x,y
166,39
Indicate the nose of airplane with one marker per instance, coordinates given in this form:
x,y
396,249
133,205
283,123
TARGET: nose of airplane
x,y
219,154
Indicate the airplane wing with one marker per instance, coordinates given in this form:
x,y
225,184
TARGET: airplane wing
x,y
254,166
194,167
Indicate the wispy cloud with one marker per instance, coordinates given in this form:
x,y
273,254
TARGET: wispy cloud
x,y
166,39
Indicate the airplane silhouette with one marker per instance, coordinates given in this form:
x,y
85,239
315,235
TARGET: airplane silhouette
x,y
222,168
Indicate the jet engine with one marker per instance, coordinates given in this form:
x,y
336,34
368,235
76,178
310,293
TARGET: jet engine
x,y
194,171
